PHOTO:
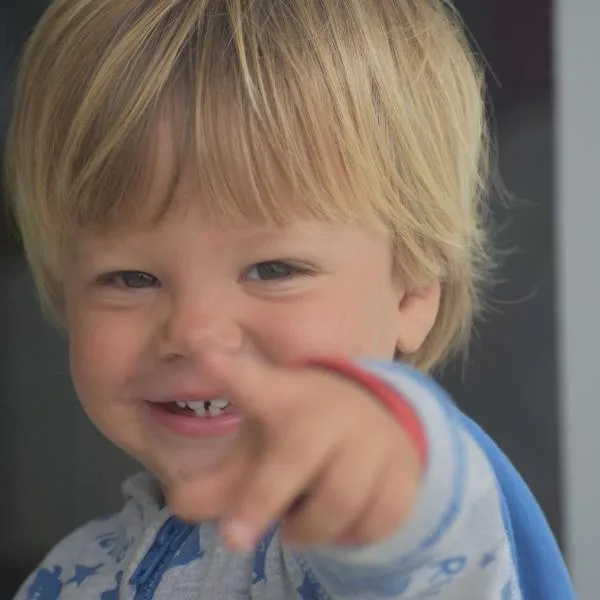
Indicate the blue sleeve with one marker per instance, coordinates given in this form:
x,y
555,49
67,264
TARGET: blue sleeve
x,y
461,541
532,543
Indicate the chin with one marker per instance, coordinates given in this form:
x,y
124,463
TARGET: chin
x,y
186,463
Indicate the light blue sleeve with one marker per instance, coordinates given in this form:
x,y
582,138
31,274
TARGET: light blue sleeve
x,y
455,545
86,564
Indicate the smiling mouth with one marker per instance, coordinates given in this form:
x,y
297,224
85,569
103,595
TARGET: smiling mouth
x,y
206,409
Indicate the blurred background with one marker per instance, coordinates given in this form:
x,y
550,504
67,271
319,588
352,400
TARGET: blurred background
x,y
532,393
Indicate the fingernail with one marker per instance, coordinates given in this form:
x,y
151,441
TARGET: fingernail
x,y
238,536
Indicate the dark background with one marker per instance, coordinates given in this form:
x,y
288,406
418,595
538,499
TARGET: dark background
x,y
57,472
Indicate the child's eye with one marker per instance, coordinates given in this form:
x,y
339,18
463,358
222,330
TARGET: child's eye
x,y
273,270
129,279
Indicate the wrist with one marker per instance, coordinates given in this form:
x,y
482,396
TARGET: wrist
x,y
399,408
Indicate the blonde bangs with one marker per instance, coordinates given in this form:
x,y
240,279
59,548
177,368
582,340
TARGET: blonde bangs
x,y
363,111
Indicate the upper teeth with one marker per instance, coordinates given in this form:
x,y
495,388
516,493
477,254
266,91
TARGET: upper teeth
x,y
199,405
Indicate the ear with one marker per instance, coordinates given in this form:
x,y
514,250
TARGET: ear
x,y
418,313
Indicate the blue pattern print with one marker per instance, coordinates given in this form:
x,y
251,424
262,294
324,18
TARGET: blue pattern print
x,y
82,573
46,585
311,589
190,550
114,593
260,558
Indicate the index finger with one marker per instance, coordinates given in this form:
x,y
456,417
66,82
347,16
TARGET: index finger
x,y
256,388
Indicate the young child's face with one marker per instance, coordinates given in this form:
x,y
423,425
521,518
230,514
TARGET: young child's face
x,y
145,307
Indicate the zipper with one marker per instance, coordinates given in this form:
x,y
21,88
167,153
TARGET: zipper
x,y
167,542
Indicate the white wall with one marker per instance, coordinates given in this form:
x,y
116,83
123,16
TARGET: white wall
x,y
578,219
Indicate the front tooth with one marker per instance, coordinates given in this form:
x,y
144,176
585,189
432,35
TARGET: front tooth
x,y
220,403
214,410
198,405
195,405
181,403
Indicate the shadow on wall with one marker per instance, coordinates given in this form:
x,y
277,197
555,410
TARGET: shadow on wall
x,y
60,471
511,381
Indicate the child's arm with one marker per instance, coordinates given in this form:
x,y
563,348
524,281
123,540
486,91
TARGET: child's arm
x,y
403,478
455,544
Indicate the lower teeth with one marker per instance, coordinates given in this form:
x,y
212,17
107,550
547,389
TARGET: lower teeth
x,y
212,411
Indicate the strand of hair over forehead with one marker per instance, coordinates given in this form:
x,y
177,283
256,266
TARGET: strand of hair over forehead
x,y
359,148
271,129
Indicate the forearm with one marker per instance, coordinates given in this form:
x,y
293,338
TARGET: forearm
x,y
454,545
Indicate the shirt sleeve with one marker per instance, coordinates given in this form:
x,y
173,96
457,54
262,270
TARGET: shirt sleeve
x,y
455,545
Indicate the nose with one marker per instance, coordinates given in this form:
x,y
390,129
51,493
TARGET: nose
x,y
191,326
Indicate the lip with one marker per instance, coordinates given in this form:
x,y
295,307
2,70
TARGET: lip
x,y
191,426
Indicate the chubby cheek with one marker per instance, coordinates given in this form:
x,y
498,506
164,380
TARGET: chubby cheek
x,y
103,356
337,329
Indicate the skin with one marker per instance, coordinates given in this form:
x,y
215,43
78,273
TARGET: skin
x,y
189,304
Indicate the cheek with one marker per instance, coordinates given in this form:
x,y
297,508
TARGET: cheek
x,y
345,326
102,353
103,361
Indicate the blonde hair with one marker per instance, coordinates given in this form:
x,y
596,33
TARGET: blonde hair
x,y
370,110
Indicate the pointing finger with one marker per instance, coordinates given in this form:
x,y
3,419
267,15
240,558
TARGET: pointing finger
x,y
286,472
254,386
